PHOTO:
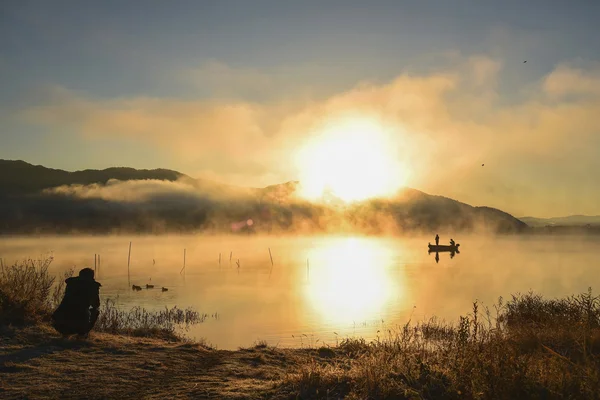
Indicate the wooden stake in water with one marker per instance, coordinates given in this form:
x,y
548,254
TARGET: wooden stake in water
x,y
95,258
98,274
230,254
128,262
183,269
271,257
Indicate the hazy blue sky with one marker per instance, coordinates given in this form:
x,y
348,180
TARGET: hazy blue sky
x,y
193,85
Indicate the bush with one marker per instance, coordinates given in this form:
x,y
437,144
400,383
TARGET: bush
x,y
26,292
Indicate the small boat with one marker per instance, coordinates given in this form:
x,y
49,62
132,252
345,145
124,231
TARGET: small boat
x,y
134,287
149,286
443,247
164,289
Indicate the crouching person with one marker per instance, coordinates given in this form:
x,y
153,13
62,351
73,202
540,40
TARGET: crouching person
x,y
78,311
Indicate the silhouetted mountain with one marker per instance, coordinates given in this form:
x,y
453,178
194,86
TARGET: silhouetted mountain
x,y
413,210
39,199
18,177
572,220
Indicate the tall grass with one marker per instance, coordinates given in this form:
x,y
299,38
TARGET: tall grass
x,y
165,324
531,348
27,291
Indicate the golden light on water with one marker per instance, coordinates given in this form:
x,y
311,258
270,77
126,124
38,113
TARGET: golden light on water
x,y
354,158
350,281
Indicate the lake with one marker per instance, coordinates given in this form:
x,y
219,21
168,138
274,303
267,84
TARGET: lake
x,y
319,289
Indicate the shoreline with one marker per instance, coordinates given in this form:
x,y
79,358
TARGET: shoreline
x,y
526,347
440,361
35,362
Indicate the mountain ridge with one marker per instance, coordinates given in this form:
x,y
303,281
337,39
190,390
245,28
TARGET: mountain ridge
x,y
569,220
39,199
41,177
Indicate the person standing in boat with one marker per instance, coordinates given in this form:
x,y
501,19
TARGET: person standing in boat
x,y
437,239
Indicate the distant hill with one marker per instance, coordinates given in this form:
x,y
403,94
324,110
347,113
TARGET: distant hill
x,y
572,220
18,177
413,210
44,200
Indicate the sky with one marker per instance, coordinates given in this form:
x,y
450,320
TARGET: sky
x,y
230,90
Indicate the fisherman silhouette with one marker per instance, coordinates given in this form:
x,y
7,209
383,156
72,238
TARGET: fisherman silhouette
x,y
78,311
437,239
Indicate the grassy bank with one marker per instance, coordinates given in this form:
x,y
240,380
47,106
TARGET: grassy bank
x,y
526,347
530,348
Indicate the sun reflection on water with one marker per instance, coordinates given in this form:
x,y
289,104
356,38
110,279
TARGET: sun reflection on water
x,y
350,280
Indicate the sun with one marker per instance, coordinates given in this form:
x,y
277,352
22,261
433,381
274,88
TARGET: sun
x,y
353,159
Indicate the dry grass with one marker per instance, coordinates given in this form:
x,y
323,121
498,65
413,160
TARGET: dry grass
x,y
29,294
36,363
531,348
165,324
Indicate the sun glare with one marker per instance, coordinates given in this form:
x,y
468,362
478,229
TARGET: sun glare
x,y
353,159
350,281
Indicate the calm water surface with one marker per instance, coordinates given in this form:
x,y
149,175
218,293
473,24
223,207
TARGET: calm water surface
x,y
319,289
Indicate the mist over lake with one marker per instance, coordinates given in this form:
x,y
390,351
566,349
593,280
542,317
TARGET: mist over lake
x,y
319,288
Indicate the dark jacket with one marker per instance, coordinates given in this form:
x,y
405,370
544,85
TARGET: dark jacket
x,y
80,295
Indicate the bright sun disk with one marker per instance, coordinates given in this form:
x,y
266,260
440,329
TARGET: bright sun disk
x,y
354,159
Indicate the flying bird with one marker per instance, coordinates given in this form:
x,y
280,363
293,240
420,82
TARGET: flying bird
x,y
482,165
524,61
